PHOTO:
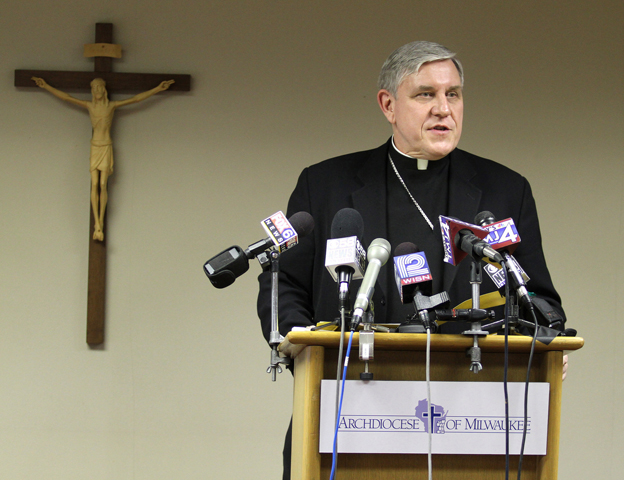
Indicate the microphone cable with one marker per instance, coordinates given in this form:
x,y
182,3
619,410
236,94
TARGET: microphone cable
x,y
505,371
526,390
527,380
428,381
344,376
338,376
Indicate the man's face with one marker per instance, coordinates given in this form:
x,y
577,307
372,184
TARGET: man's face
x,y
427,112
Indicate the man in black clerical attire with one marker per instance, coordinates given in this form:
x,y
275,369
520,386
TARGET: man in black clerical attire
x,y
400,189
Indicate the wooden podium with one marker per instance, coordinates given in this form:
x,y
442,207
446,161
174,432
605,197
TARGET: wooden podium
x,y
402,357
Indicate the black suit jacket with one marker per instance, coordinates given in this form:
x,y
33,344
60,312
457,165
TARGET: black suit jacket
x,y
308,294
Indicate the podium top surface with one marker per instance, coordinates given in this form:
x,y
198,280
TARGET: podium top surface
x,y
296,341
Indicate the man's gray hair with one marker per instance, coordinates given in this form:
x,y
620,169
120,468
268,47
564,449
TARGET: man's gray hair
x,y
408,59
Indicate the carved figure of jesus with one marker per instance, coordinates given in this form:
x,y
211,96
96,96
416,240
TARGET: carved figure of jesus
x,y
101,112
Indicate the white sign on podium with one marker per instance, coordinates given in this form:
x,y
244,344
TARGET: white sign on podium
x,y
468,417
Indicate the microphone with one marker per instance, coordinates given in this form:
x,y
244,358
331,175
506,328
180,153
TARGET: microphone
x,y
345,258
414,282
378,253
503,235
224,268
411,271
460,239
283,234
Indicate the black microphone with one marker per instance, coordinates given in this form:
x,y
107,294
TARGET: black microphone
x,y
345,258
468,242
484,218
414,281
224,268
460,238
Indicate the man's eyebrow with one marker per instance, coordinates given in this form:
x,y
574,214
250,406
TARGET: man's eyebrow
x,y
430,87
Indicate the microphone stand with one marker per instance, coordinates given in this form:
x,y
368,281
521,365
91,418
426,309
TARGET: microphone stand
x,y
275,338
476,331
514,318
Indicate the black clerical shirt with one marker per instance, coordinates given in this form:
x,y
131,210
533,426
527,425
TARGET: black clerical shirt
x,y
406,224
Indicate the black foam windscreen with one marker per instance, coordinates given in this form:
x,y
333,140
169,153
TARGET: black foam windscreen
x,y
484,218
405,248
303,223
347,223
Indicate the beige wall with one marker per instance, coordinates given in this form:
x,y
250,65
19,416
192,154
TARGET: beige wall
x,y
180,388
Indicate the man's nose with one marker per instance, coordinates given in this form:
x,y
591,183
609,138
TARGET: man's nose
x,y
441,106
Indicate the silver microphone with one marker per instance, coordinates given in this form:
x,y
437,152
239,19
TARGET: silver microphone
x,y
377,254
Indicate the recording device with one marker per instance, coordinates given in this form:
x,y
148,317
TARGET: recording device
x,y
460,239
413,279
345,258
224,268
377,254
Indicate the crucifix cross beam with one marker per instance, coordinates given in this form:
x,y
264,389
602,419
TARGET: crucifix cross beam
x,y
103,68
103,51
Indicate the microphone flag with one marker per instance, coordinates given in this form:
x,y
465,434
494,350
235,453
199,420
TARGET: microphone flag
x,y
450,228
503,235
409,270
346,251
279,229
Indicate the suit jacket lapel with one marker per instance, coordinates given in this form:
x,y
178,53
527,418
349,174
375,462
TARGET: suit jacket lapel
x,y
464,200
371,200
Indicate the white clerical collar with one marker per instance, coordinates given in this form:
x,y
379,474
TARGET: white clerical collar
x,y
422,162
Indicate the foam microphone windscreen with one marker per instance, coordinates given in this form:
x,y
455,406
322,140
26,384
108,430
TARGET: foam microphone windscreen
x,y
303,223
347,223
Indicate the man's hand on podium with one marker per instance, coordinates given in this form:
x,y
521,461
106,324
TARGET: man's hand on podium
x,y
565,367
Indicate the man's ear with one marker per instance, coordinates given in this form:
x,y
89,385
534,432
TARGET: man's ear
x,y
386,103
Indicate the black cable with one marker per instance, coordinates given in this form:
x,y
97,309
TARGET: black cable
x,y
505,371
344,377
339,372
526,390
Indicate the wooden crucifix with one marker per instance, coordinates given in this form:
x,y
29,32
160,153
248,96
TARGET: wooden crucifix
x,y
103,52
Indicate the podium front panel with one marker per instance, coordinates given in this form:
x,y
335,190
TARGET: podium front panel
x,y
402,357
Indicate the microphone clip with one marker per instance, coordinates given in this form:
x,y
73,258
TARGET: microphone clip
x,y
363,316
264,259
421,321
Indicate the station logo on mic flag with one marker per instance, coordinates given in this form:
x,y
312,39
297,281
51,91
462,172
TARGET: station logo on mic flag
x,y
345,252
280,231
412,268
450,228
503,234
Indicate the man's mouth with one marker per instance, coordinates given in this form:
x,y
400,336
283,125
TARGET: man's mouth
x,y
440,128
